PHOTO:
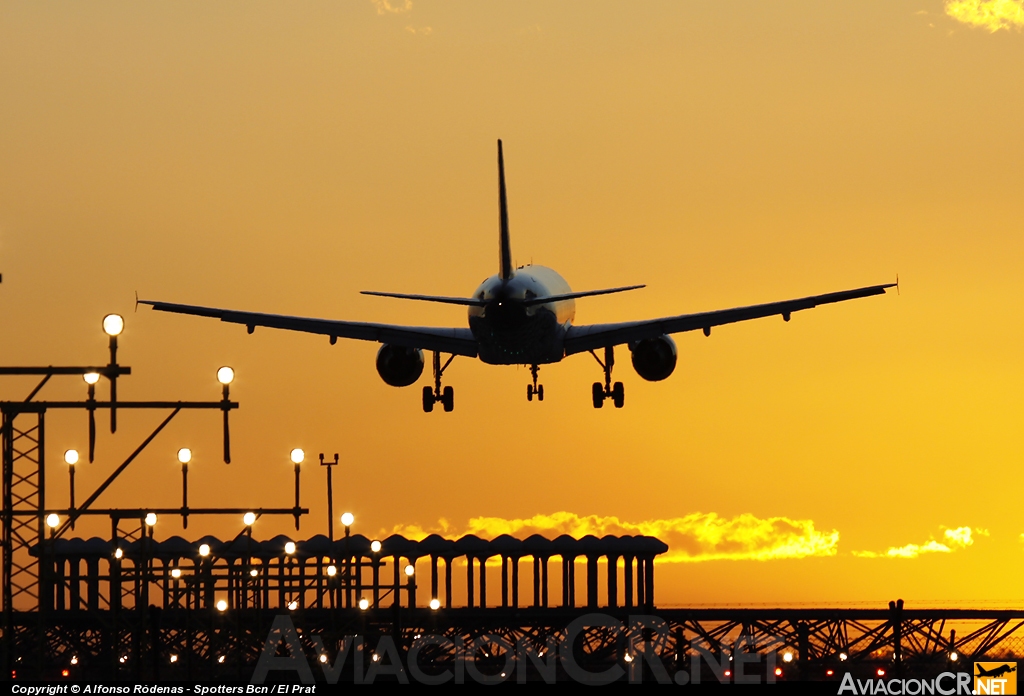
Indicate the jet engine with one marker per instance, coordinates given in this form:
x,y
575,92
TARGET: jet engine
x,y
654,359
399,366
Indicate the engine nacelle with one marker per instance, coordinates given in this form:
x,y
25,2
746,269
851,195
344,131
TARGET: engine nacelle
x,y
399,366
654,359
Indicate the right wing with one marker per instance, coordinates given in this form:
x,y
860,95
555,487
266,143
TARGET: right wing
x,y
583,338
454,341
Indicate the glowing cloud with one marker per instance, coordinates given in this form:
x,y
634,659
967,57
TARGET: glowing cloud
x,y
954,539
392,6
990,14
694,538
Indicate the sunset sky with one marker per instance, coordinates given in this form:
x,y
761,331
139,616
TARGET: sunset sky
x,y
281,157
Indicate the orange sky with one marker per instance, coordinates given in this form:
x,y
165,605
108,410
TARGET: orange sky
x,y
280,157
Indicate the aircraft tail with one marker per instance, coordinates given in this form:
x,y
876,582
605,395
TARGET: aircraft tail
x,y
504,243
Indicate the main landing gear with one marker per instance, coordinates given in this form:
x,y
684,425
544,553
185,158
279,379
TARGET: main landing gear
x,y
432,395
616,392
534,388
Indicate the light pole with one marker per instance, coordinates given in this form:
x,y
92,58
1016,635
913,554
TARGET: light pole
x,y
297,456
184,456
113,325
91,378
71,458
226,376
330,494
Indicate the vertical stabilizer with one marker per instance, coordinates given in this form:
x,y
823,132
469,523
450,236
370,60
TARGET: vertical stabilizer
x,y
504,243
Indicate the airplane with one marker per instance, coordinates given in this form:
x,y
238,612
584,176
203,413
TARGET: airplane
x,y
520,316
997,672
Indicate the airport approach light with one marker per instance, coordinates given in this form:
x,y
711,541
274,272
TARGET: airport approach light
x,y
249,518
953,657
222,605
347,519
842,657
91,378
226,375
113,324
184,455
150,519
778,671
364,604
331,571
118,554
297,455
52,520
71,456
289,548
410,570
375,546
293,605
254,572
787,657
204,550
174,658
435,604
176,573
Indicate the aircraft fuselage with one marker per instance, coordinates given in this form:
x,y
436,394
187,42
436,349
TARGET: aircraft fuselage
x,y
510,333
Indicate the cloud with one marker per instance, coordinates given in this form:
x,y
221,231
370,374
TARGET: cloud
x,y
422,31
953,540
392,6
990,14
697,537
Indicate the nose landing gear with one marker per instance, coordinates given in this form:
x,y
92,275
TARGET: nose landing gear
x,y
534,388
600,392
432,395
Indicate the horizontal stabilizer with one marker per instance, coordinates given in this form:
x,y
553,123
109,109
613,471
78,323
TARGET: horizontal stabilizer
x,y
574,295
466,301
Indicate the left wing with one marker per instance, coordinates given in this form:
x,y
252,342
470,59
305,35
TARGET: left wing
x,y
583,338
454,341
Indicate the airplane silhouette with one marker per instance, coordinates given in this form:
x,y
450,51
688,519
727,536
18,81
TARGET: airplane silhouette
x,y
997,672
520,316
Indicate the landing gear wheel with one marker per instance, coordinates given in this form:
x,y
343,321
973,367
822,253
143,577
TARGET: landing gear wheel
x,y
448,399
540,392
529,392
598,393
618,395
428,399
